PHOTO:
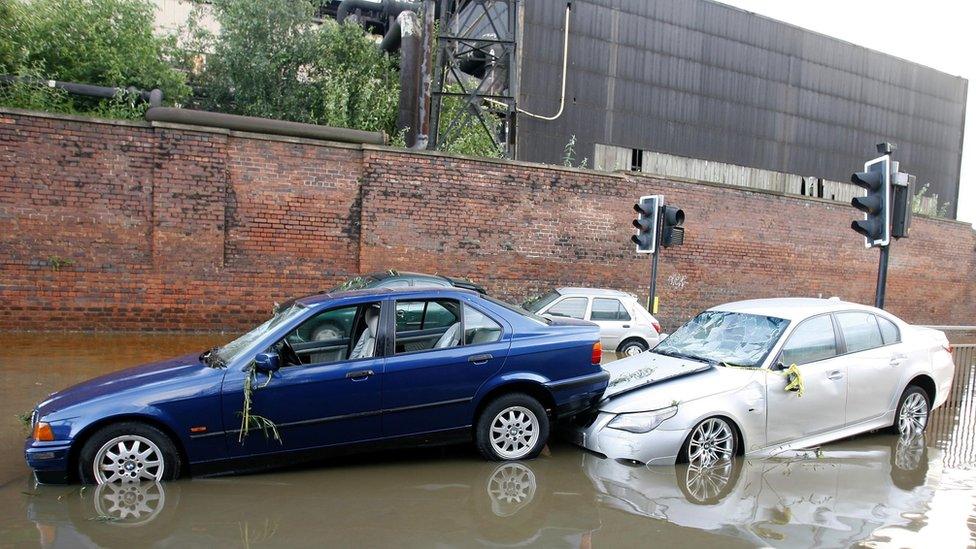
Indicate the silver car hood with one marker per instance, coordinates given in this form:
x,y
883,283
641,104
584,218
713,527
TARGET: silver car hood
x,y
650,381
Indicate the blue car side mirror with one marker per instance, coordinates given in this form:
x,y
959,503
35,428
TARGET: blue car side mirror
x,y
267,362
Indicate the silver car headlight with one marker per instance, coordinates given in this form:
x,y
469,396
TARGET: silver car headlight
x,y
642,422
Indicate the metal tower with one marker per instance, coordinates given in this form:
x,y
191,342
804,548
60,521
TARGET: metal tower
x,y
475,73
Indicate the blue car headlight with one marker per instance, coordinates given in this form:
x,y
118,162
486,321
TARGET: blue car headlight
x,y
642,422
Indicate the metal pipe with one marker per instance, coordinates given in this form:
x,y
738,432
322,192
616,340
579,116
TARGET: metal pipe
x,y
262,125
391,40
153,97
426,74
346,5
389,8
562,93
410,57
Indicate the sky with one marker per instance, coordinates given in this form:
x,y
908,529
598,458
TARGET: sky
x,y
937,33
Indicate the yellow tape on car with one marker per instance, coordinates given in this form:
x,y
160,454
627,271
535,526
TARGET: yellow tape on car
x,y
794,381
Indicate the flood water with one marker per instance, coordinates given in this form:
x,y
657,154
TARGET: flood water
x,y
873,490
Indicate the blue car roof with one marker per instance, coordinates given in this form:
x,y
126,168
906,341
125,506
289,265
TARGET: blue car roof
x,y
316,299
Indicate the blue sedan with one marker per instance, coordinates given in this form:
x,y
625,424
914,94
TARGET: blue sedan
x,y
349,370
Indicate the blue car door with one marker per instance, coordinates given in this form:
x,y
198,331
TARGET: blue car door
x,y
441,352
331,398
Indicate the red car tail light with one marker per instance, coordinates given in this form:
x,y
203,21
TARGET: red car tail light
x,y
657,326
597,353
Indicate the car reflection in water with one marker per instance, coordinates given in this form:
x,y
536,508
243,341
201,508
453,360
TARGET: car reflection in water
x,y
450,504
836,497
830,498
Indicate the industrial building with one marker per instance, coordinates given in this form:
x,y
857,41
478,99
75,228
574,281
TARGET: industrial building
x,y
674,83
688,88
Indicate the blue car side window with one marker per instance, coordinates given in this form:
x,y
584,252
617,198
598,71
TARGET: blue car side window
x,y
480,328
334,335
427,324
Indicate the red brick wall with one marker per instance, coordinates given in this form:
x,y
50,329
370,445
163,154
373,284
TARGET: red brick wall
x,y
171,228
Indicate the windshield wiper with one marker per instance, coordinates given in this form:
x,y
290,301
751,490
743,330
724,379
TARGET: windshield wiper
x,y
676,354
731,364
212,359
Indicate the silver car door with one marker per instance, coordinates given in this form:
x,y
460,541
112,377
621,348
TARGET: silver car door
x,y
813,347
873,368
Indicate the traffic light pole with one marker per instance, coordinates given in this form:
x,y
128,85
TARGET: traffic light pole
x,y
657,251
879,294
650,299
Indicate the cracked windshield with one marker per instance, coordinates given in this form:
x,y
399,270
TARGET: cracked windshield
x,y
732,339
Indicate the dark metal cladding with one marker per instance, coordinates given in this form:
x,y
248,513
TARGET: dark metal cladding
x,y
700,79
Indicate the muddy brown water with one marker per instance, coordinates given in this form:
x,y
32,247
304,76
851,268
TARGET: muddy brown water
x,y
873,490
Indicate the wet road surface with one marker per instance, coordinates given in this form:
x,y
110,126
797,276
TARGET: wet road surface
x,y
873,490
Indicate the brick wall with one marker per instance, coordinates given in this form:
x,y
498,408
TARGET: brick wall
x,y
109,225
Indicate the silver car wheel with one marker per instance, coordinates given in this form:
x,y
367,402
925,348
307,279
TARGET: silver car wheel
x,y
514,432
710,442
128,458
633,350
914,414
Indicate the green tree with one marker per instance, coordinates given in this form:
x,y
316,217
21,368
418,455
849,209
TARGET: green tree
x,y
269,60
100,42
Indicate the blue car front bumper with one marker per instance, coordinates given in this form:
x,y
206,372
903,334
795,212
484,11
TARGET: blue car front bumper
x,y
48,460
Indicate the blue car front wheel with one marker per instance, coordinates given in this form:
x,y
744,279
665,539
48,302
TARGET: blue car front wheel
x,y
128,452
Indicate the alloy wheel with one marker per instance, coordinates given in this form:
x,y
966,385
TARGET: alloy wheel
x,y
914,414
633,350
128,458
711,441
514,432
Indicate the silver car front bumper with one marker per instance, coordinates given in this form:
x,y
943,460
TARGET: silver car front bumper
x,y
657,447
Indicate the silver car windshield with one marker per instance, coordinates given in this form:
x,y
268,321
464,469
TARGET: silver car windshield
x,y
535,304
230,351
725,338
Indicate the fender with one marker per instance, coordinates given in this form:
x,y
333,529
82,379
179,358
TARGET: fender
x,y
906,378
737,421
83,426
510,378
537,381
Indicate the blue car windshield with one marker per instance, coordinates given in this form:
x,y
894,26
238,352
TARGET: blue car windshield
x,y
232,350
725,338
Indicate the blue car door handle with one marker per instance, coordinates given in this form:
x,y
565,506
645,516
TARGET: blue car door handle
x,y
359,375
479,359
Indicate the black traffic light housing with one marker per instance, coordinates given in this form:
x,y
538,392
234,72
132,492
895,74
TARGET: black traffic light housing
x,y
901,205
673,232
647,208
876,180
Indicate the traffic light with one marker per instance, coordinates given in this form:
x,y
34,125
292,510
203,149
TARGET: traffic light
x,y
902,191
673,233
647,209
876,179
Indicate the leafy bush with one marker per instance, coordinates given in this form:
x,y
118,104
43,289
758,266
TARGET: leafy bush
x,y
268,60
99,42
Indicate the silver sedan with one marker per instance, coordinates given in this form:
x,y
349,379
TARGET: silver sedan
x,y
764,376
